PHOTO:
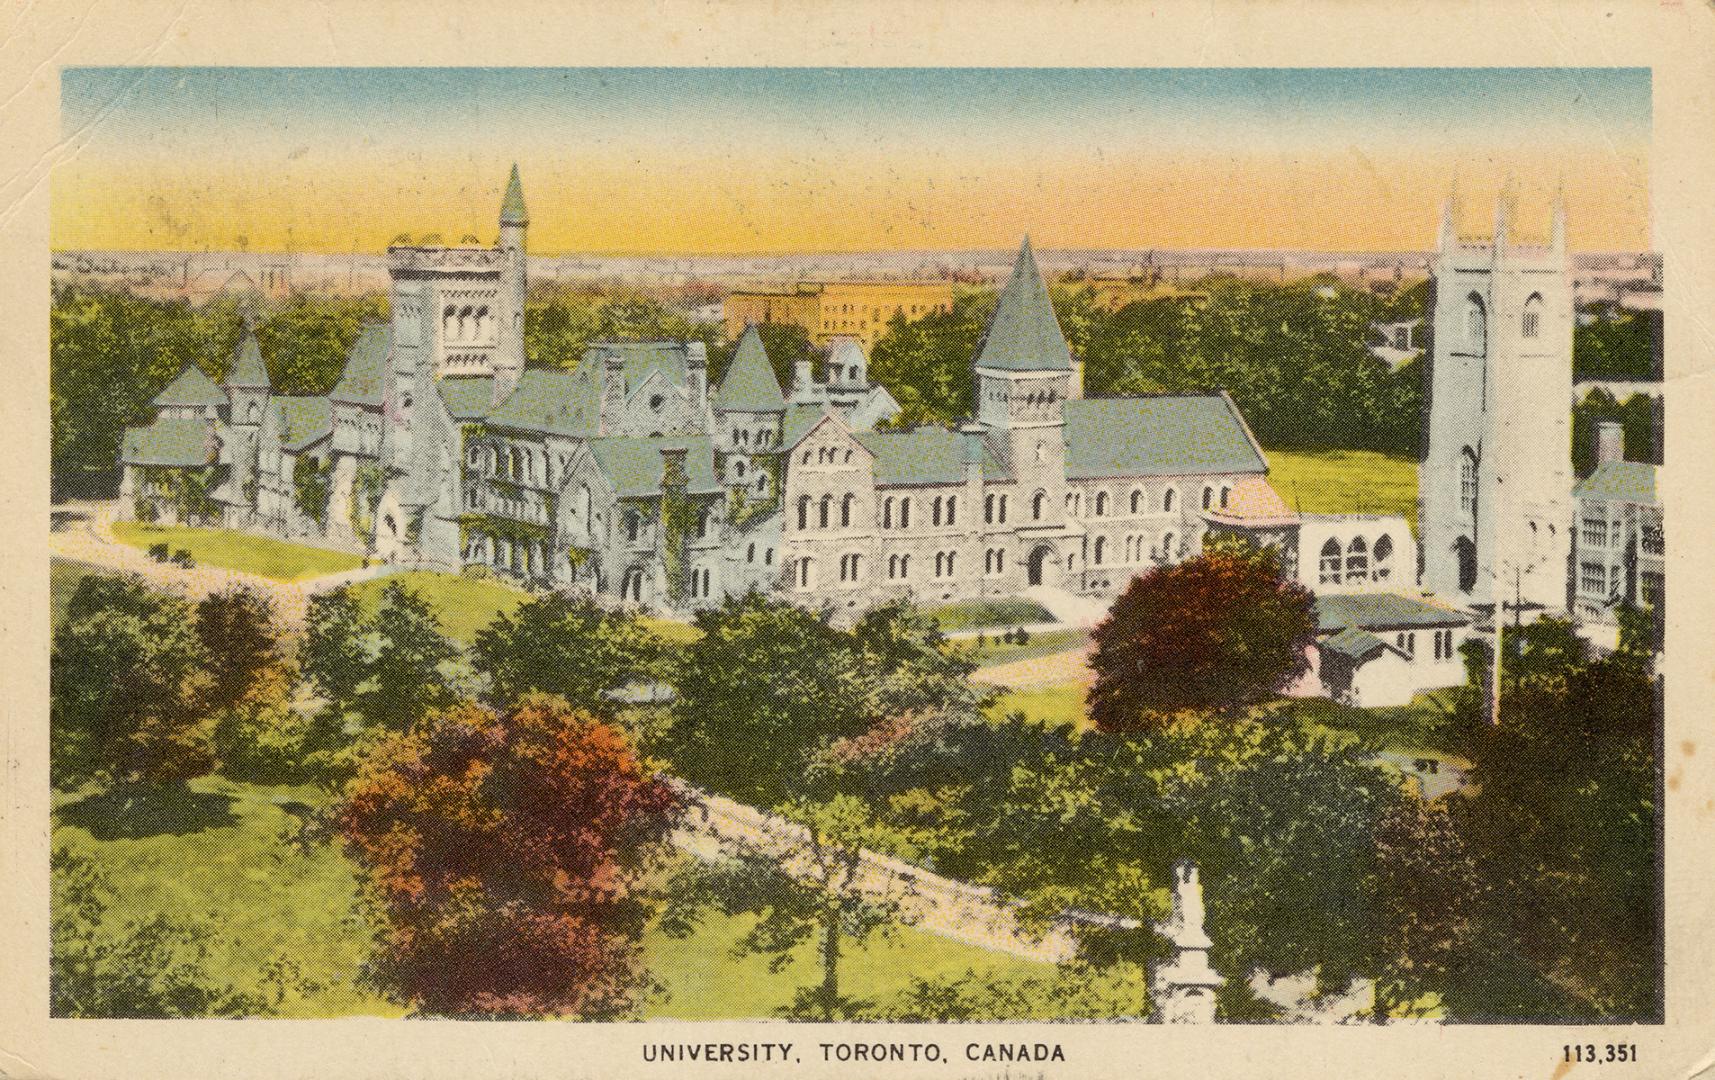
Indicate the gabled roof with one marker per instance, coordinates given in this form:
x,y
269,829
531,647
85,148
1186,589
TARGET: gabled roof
x,y
1382,611
365,376
176,441
1023,334
927,455
553,402
191,387
1619,481
512,210
633,465
467,397
247,369
1353,642
750,385
640,358
1161,435
799,420
304,421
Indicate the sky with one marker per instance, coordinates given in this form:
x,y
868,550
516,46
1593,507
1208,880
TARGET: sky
x,y
844,159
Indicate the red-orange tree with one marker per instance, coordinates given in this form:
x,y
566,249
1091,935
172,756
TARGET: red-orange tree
x,y
504,851
1218,631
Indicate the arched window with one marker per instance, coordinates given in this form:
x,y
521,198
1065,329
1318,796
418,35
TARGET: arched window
x,y
1137,500
1167,546
905,513
887,512
1328,572
1101,504
738,468
1466,552
846,509
806,457
825,511
702,524
1468,482
988,509
935,511
905,566
750,553
633,526
1382,557
1208,497
952,509
803,511
1357,561
1003,509
1101,549
1476,324
1531,325
1167,499
1226,493
1036,502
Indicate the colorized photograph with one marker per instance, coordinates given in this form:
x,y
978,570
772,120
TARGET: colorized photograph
x,y
930,545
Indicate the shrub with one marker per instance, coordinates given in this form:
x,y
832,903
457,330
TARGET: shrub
x,y
159,552
183,558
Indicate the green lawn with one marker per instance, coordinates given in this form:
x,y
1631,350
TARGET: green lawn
x,y
1062,704
1346,482
239,551
221,856
977,614
63,576
468,604
992,650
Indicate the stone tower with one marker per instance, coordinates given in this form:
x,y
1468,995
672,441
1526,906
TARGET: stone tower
x,y
514,281
1495,482
1024,374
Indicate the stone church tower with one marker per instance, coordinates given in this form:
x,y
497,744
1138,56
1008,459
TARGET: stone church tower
x,y
1495,482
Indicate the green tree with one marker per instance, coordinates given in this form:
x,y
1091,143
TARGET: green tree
x,y
307,341
334,654
312,488
575,648
925,363
1218,631
129,688
404,678
242,643
812,890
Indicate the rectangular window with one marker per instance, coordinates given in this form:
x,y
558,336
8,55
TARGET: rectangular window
x,y
1532,320
1652,541
1595,533
1593,579
1649,589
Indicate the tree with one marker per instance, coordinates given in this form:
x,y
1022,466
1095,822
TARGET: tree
x,y
767,684
571,647
154,969
404,679
925,363
237,631
1218,631
816,890
129,688
1425,886
506,853
312,487
332,653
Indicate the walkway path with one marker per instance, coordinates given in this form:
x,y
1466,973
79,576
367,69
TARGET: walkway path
x,y
1055,669
1068,608
85,534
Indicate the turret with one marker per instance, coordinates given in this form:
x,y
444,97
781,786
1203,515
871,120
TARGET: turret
x,y
509,356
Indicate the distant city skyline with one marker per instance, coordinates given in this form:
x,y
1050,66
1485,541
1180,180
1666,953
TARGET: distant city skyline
x,y
780,160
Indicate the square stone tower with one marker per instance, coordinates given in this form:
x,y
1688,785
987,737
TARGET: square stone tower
x,y
1495,482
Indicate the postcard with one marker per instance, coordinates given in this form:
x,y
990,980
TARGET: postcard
x,y
1131,560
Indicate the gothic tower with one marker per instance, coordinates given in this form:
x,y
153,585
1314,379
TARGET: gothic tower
x,y
1495,481
1024,374
509,356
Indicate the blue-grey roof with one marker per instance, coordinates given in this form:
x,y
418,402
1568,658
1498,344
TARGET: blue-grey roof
x,y
1023,334
641,359
1162,435
304,421
1382,611
928,455
190,387
512,210
750,385
364,379
633,465
798,421
177,441
553,402
467,397
1619,481
1352,642
248,370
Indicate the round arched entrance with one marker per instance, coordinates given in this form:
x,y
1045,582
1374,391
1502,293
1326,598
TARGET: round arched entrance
x,y
1043,567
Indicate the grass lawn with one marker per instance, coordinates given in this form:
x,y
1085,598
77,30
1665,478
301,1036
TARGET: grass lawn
x,y
468,604
63,576
977,614
995,651
239,551
1063,704
220,856
1346,482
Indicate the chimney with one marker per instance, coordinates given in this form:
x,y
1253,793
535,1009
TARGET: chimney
x,y
1610,441
697,373
801,379
612,389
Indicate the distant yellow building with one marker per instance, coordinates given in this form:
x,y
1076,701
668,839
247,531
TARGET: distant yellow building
x,y
834,309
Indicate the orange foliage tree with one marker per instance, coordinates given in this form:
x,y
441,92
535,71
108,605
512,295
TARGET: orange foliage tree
x,y
1218,631
505,853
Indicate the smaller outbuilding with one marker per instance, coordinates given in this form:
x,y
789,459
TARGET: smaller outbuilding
x,y
1375,650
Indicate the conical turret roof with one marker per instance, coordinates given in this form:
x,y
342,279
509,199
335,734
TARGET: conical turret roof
x,y
512,210
750,385
247,368
1023,334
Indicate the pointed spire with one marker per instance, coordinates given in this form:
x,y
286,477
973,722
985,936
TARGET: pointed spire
x,y
750,385
247,368
1450,217
1023,334
1557,224
512,210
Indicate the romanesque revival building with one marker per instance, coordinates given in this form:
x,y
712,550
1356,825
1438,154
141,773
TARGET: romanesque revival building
x,y
626,473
